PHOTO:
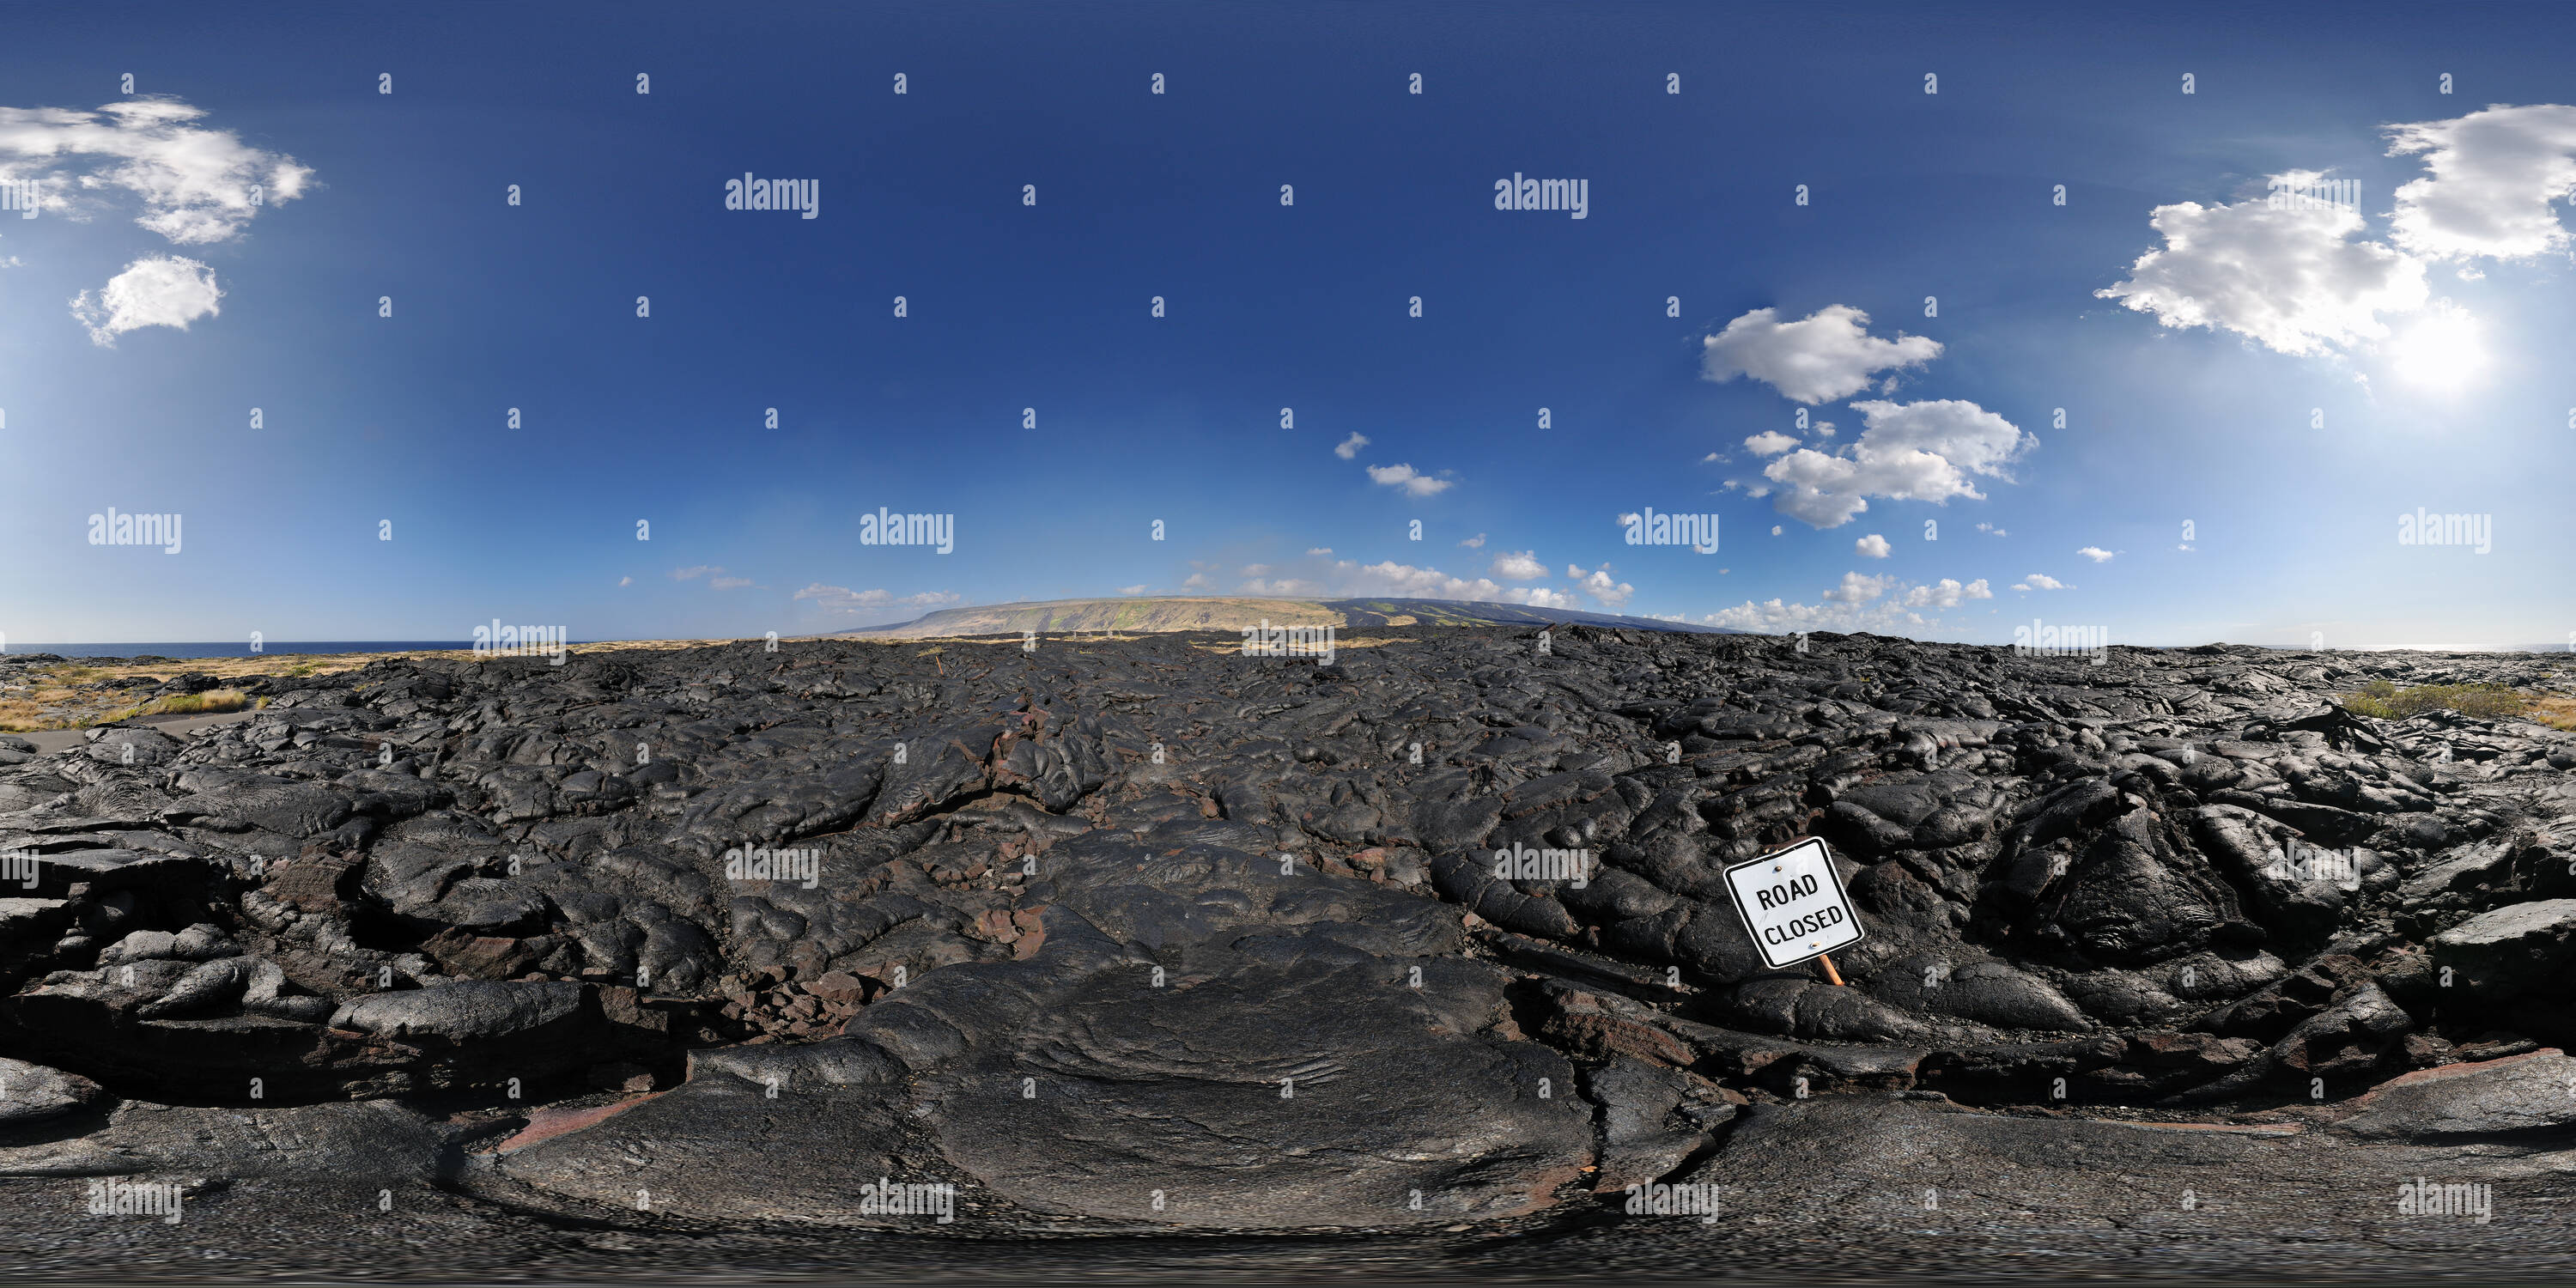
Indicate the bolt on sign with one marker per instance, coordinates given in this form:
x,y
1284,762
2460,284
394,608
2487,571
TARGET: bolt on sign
x,y
1794,904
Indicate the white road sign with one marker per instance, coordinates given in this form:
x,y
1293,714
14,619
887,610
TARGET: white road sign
x,y
1794,904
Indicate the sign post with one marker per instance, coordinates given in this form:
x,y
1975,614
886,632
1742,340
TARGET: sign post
x,y
1794,906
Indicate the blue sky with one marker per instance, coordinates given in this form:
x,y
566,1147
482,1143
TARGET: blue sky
x,y
2425,330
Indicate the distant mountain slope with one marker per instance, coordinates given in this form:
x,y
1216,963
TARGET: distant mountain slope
x,y
1147,615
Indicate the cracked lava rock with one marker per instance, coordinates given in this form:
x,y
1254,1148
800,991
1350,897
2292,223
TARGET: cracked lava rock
x,y
1149,935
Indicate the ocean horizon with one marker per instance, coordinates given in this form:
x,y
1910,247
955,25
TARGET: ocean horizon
x,y
182,652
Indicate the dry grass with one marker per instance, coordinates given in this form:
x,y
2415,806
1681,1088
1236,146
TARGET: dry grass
x,y
2385,701
2557,713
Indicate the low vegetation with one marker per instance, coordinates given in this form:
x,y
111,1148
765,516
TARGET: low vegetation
x,y
2382,700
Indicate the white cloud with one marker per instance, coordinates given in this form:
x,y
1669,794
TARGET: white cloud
x,y
1137,589
1281,586
1909,452
1520,565
1712,456
2494,176
1768,443
194,185
1825,356
2296,280
2095,553
1599,584
1197,581
1855,605
165,290
2040,581
1775,529
1872,546
1947,593
1347,578
727,583
1256,570
1988,527
1403,476
625,581
1350,447
1476,542
842,599
1858,589
701,570
1320,552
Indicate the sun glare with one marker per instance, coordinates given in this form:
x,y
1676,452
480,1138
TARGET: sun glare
x,y
2444,352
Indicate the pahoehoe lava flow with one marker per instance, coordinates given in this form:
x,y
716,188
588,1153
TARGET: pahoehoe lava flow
x,y
1149,937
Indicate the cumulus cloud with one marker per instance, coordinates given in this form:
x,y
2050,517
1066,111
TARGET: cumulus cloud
x,y
2096,553
842,599
1350,447
1522,565
2041,581
1857,589
166,290
1608,591
1822,357
1769,443
1872,546
1256,570
1137,589
1476,542
193,185
2295,280
1775,529
1197,581
1921,451
1319,552
1277,586
1860,603
1947,593
2494,176
1988,527
1348,578
1776,617
1404,476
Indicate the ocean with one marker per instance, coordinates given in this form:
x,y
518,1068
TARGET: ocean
x,y
233,649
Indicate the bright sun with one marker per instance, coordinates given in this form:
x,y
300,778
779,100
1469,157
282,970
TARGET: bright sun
x,y
2443,352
